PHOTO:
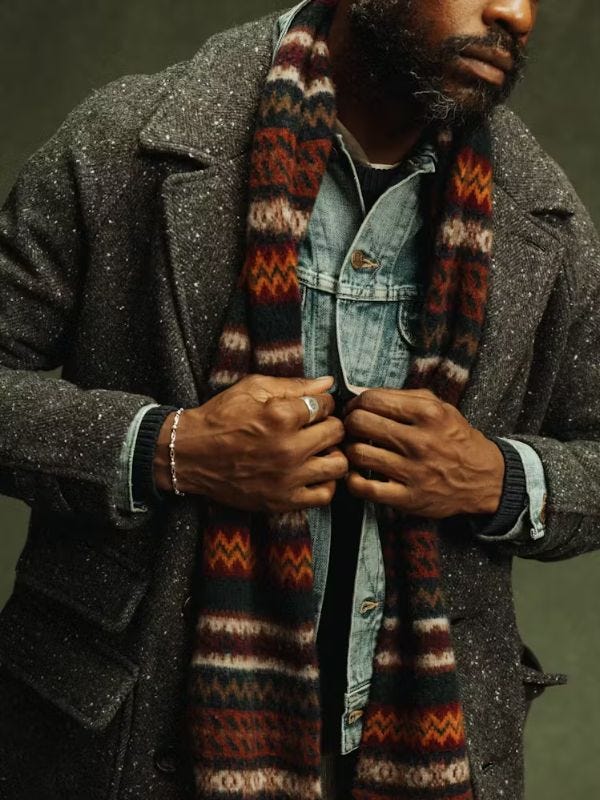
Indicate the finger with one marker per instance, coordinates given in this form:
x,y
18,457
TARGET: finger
x,y
320,469
411,406
395,436
390,493
318,437
392,465
293,387
313,496
293,413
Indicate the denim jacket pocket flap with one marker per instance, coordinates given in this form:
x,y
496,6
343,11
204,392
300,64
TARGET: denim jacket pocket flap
x,y
97,584
409,312
66,666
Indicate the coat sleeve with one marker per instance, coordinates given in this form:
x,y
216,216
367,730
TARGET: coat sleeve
x,y
60,445
568,442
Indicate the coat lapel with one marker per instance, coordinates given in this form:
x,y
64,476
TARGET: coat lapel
x,y
208,121
530,205
526,258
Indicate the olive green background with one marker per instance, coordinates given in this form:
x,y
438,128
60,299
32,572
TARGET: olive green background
x,y
53,54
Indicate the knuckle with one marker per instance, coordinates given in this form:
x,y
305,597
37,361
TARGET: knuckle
x,y
355,452
353,483
337,429
353,420
433,411
367,397
340,467
251,381
278,411
328,403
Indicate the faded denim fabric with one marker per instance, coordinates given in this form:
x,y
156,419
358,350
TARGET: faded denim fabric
x,y
361,294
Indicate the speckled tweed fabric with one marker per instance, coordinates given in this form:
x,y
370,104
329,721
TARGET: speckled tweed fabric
x,y
120,245
254,711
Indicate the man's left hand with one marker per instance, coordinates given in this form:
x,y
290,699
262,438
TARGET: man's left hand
x,y
436,464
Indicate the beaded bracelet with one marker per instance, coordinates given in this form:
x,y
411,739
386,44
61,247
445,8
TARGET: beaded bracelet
x,y
178,414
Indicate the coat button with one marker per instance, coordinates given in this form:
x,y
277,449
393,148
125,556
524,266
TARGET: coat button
x,y
165,760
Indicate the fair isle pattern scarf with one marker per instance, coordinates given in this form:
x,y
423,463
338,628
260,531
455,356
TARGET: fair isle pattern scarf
x,y
254,709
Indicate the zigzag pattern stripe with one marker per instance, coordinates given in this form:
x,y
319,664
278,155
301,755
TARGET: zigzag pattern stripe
x,y
229,553
435,730
233,692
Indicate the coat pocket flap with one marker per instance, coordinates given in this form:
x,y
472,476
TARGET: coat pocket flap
x,y
100,585
536,676
70,668
533,675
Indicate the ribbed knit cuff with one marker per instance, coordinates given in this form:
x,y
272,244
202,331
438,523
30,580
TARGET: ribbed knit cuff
x,y
143,488
514,495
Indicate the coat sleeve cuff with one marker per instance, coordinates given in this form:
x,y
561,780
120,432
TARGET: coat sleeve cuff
x,y
529,523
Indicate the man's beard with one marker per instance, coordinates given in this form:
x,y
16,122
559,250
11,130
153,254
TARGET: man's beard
x,y
391,53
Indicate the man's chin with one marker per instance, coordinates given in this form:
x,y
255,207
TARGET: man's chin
x,y
459,104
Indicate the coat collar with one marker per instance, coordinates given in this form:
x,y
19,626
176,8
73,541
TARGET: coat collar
x,y
209,114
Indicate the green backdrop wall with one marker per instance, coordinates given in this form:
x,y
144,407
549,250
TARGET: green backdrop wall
x,y
53,54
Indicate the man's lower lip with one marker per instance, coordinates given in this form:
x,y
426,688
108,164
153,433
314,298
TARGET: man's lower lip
x,y
483,69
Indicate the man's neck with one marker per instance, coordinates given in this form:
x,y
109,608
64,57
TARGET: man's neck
x,y
387,129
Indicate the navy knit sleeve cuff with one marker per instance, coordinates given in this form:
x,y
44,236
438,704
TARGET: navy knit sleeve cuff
x,y
143,488
514,496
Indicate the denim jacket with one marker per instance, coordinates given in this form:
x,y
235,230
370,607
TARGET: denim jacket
x,y
361,294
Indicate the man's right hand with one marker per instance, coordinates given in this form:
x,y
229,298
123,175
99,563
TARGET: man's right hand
x,y
251,447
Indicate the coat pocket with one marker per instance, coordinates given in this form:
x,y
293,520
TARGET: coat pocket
x,y
68,666
100,585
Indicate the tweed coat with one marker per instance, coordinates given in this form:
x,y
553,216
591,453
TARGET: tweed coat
x,y
119,246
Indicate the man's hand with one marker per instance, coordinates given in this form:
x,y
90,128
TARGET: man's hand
x,y
250,446
435,462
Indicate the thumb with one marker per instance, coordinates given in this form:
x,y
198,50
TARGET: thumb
x,y
296,387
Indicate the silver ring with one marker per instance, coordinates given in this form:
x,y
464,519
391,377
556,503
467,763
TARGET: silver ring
x,y
313,407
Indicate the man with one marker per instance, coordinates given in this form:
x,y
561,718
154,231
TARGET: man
x,y
243,578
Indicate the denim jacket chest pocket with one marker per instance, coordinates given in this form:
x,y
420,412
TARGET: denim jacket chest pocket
x,y
376,339
377,311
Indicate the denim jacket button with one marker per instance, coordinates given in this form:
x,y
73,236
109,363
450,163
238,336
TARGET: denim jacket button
x,y
368,605
354,716
359,260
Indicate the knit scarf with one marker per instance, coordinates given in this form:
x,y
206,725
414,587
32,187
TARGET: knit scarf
x,y
253,695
